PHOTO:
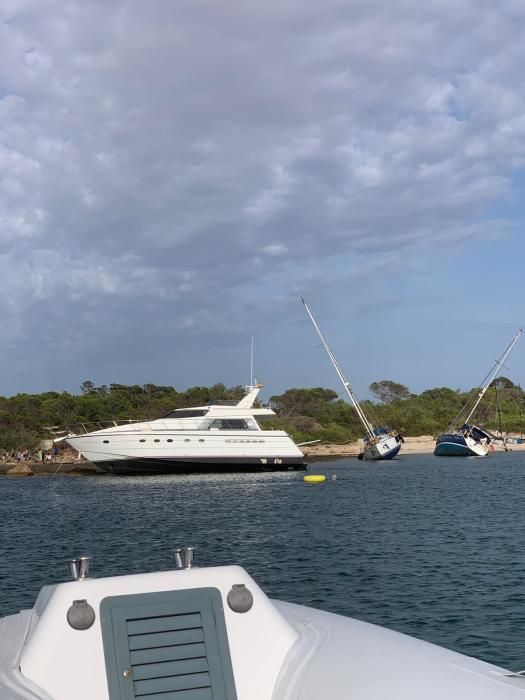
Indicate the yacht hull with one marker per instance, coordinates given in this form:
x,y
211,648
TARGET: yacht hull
x,y
454,445
164,452
144,466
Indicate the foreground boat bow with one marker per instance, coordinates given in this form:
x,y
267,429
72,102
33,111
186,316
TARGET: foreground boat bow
x,y
212,634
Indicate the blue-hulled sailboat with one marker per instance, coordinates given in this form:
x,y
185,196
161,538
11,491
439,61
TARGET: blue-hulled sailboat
x,y
470,440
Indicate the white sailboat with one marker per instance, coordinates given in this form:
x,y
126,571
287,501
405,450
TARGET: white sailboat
x,y
380,442
464,439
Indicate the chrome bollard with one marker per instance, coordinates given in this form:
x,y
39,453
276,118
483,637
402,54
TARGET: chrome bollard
x,y
184,557
178,558
79,568
188,557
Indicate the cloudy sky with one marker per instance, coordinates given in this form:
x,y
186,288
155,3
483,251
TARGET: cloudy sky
x,y
174,174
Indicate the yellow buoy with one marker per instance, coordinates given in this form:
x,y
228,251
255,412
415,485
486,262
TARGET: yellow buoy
x,y
314,478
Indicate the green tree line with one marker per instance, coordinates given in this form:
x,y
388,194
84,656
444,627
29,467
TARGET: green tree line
x,y
306,413
310,414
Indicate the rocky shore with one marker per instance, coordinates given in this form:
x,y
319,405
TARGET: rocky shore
x,y
21,469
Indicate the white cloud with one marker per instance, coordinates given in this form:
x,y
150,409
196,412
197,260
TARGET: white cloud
x,y
275,249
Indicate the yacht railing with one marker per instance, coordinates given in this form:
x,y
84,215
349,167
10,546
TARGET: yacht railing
x,y
60,432
90,426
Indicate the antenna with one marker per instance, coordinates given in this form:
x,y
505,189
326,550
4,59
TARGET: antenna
x,y
251,365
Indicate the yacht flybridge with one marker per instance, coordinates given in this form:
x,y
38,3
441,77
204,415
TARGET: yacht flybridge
x,y
212,634
204,438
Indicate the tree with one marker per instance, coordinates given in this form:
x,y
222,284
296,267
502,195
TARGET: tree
x,y
87,387
503,383
387,391
303,402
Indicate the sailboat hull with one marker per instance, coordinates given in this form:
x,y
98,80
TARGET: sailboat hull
x,y
384,449
456,445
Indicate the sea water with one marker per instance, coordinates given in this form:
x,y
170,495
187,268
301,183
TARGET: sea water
x,y
434,547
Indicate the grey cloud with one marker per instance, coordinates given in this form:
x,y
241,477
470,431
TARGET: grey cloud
x,y
157,159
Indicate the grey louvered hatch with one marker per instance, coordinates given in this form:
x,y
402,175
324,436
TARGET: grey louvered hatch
x,y
170,645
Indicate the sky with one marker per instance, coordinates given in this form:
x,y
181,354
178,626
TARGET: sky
x,y
173,175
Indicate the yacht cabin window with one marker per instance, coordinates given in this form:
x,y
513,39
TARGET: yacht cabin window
x,y
232,424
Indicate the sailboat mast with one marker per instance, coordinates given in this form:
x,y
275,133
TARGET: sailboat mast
x,y
494,372
366,423
521,412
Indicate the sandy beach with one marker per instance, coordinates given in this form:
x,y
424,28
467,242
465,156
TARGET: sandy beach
x,y
423,444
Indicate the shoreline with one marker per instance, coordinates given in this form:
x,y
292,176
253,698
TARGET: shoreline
x,y
21,469
420,445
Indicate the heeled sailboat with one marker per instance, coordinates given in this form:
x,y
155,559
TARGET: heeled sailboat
x,y
380,442
462,438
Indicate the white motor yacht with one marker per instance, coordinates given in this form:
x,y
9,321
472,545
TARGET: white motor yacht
x,y
204,438
213,634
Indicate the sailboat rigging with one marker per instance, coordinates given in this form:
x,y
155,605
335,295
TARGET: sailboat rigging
x,y
502,429
379,442
462,438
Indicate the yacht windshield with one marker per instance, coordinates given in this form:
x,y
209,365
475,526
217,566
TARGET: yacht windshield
x,y
187,413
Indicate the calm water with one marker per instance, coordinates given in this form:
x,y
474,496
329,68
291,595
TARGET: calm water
x,y
433,547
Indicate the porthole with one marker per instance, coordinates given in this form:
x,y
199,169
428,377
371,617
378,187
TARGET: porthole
x,y
156,440
106,441
187,440
142,440
201,439
169,440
